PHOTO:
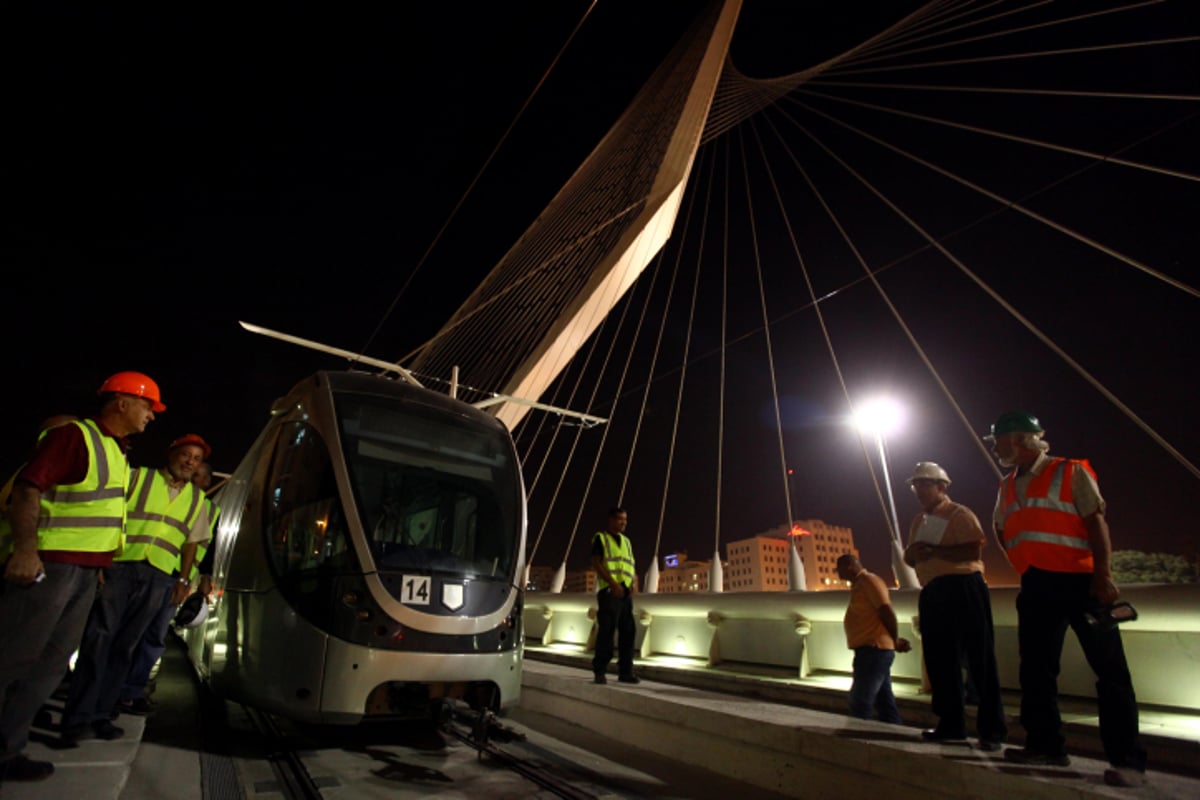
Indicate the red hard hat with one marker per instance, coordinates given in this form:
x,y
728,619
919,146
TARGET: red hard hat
x,y
191,438
136,384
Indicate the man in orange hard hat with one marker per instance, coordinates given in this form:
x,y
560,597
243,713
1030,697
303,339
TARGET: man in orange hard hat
x,y
133,698
64,525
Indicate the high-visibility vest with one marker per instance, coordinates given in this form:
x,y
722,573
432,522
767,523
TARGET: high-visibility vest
x,y
84,517
618,557
158,526
1044,529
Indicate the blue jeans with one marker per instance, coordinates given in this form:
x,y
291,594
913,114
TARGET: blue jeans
x,y
149,650
871,693
126,604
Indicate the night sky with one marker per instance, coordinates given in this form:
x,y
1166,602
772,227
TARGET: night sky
x,y
176,170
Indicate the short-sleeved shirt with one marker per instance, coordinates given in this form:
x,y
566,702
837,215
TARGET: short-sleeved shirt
x,y
863,627
1084,490
948,524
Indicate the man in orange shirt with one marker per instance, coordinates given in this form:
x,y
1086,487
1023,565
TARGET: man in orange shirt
x,y
873,634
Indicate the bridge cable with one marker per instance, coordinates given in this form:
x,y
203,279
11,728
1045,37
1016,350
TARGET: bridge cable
x,y
662,326
562,476
722,378
587,490
859,59
996,296
683,371
762,301
1099,157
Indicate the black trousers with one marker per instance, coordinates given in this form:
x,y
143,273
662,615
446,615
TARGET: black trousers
x,y
1049,602
614,614
956,623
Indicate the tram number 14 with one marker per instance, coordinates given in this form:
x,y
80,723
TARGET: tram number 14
x,y
414,590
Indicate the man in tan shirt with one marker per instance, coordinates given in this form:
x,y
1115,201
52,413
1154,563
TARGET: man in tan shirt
x,y
873,634
945,546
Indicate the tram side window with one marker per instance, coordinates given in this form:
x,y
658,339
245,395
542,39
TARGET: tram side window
x,y
304,521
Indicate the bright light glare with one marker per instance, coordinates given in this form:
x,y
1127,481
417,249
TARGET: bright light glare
x,y
879,417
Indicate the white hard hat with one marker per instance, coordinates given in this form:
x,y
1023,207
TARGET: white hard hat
x,y
928,469
193,612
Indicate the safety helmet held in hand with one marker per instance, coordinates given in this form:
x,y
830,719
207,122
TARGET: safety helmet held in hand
x,y
192,438
1015,422
930,470
136,384
193,612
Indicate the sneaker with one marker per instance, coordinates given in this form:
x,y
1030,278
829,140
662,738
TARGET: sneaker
x,y
106,730
23,768
935,735
629,679
599,678
1035,759
1124,776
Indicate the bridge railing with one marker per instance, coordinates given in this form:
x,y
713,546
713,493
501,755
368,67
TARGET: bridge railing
x,y
803,630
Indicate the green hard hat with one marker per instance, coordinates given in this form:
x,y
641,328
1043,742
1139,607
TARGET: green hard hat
x,y
1016,422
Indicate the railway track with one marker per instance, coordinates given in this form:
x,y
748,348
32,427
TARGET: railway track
x,y
467,748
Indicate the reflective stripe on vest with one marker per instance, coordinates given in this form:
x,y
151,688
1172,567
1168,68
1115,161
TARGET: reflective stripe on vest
x,y
89,516
1044,529
158,525
617,557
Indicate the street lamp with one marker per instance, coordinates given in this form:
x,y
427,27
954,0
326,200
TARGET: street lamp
x,y
878,418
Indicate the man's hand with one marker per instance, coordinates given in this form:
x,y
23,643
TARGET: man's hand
x,y
179,592
619,591
903,645
1104,590
23,568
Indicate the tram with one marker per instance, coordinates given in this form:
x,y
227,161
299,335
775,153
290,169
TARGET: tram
x,y
368,557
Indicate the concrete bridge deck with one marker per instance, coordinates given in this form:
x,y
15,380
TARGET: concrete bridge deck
x,y
792,736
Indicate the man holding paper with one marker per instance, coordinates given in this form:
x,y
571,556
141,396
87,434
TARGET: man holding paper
x,y
945,547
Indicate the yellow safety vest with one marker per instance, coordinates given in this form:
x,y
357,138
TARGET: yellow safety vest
x,y
158,526
84,517
618,558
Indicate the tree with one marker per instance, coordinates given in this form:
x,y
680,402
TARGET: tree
x,y
1134,566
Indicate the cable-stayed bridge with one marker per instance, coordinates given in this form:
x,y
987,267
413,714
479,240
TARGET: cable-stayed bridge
x,y
980,206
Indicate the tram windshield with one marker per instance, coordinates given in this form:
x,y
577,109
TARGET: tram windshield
x,y
437,492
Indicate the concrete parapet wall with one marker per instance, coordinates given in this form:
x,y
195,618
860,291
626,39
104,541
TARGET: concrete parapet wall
x,y
803,630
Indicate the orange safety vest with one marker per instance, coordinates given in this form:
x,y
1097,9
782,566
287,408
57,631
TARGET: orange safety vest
x,y
1044,529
